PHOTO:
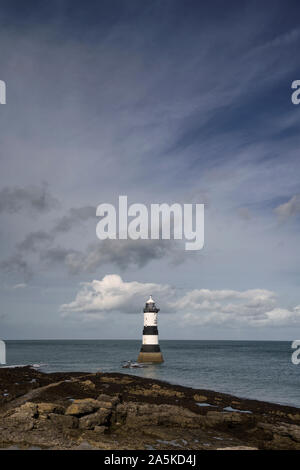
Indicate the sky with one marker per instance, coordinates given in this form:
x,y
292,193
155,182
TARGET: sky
x,y
166,101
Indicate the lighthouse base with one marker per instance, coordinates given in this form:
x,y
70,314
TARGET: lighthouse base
x,y
150,357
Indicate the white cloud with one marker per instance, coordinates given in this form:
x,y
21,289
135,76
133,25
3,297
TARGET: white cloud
x,y
289,208
112,294
22,285
232,316
254,307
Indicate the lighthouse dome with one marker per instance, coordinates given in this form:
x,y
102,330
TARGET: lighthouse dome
x,y
150,306
150,300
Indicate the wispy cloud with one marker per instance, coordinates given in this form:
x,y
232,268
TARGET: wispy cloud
x,y
20,286
289,208
35,199
17,265
74,217
121,253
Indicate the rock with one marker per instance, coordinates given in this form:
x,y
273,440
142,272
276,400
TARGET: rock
x,y
263,432
100,429
294,417
121,413
83,406
63,421
281,432
106,404
24,417
27,425
109,399
237,448
44,409
228,419
88,385
289,430
95,419
26,411
200,398
117,380
84,445
156,391
166,391
113,422
156,415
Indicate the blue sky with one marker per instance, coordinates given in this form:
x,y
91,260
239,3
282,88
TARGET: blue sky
x,y
164,101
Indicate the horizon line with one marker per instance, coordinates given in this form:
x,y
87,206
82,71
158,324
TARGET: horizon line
x,y
133,339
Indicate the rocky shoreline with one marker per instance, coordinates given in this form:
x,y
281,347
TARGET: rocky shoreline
x,y
114,411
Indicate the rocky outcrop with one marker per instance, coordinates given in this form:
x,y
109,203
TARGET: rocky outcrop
x,y
157,390
100,418
228,420
132,415
45,409
23,417
115,411
88,385
200,398
83,407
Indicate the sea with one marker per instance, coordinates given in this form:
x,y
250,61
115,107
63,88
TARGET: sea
x,y
261,370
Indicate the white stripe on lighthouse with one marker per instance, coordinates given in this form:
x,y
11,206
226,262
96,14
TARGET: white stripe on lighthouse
x,y
150,319
150,339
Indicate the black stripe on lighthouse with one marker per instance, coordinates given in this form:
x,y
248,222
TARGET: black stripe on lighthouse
x,y
150,330
149,348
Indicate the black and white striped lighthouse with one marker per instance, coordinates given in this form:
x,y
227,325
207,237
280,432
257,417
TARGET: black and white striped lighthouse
x,y
150,350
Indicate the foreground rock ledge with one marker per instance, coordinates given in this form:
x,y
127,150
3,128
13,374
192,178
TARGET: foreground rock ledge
x,y
117,411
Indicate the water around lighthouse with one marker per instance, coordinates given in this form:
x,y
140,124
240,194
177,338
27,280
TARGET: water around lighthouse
x,y
260,370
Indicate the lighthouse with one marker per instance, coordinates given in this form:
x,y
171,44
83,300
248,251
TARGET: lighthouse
x,y
150,350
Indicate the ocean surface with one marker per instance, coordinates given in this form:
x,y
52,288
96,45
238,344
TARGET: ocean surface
x,y
261,370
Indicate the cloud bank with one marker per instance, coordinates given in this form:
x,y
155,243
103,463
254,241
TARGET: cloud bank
x,y
112,294
45,243
202,307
